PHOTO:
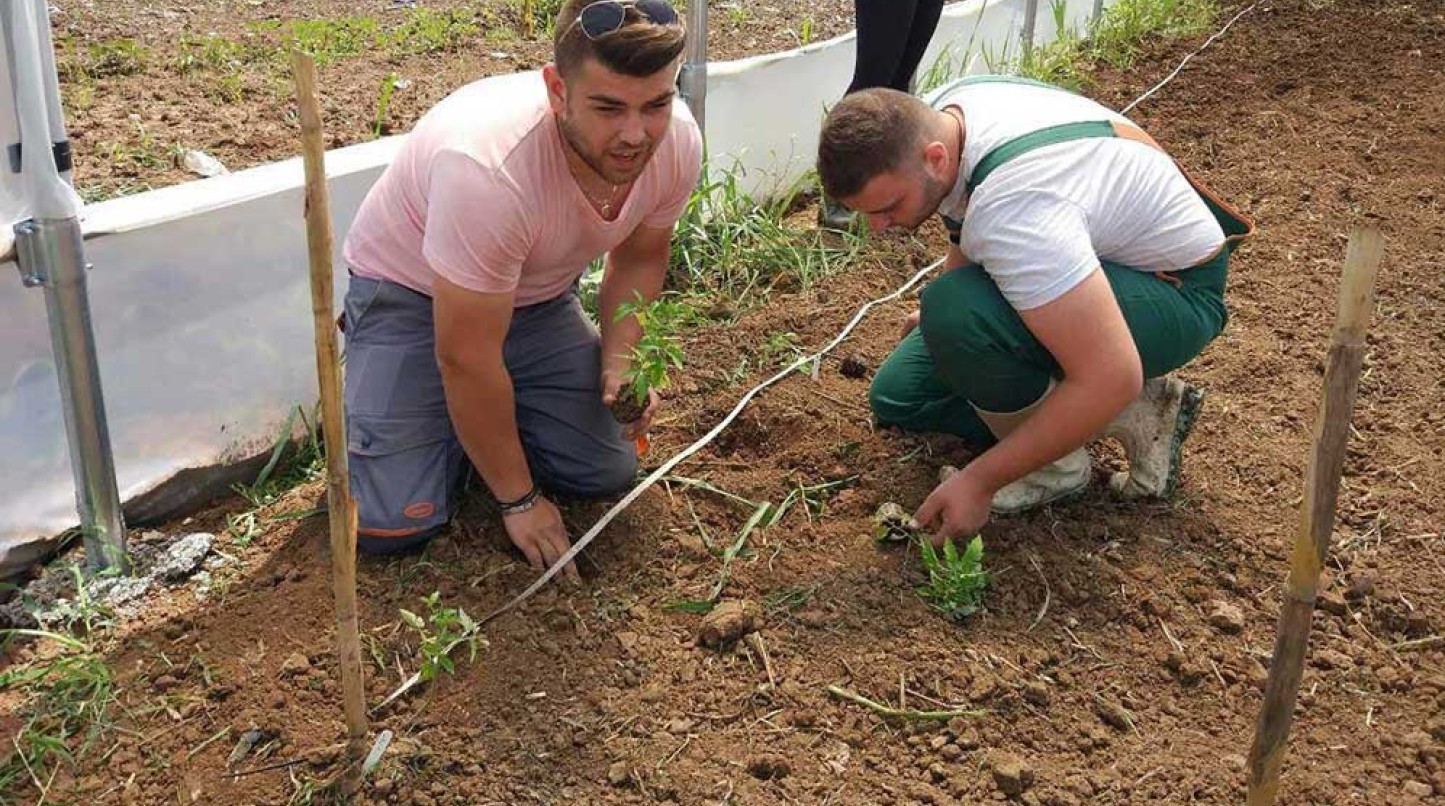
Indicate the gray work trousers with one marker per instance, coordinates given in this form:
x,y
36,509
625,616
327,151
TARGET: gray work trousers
x,y
407,465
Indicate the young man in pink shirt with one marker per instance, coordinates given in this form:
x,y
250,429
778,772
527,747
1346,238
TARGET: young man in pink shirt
x,y
465,336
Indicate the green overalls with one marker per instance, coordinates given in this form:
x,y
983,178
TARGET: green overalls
x,y
972,349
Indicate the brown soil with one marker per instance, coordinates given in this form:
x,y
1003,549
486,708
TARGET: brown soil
x,y
132,112
1122,651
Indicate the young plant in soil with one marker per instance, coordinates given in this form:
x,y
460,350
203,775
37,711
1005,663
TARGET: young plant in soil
x,y
443,629
956,581
656,353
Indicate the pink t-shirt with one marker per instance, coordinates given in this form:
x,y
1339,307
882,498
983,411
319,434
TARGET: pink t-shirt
x,y
480,194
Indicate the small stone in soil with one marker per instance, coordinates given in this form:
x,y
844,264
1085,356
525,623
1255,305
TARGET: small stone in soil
x,y
1012,774
183,557
1362,586
619,774
296,663
1226,618
1418,789
1332,602
1037,693
728,622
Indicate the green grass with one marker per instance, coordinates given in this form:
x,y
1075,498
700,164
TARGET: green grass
x,y
290,464
379,125
116,57
430,31
67,698
1128,24
539,17
1116,39
144,155
956,581
209,52
730,247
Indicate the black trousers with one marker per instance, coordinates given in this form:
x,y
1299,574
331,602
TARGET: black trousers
x,y
892,35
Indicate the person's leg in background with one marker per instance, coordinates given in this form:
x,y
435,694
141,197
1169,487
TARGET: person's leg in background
x,y
884,35
926,15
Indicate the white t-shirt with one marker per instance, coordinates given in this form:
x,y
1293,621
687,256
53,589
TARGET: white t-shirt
x,y
1041,222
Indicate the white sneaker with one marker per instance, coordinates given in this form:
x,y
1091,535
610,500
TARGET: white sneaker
x,y
1152,430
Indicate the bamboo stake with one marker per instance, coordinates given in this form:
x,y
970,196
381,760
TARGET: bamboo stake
x,y
1322,487
328,373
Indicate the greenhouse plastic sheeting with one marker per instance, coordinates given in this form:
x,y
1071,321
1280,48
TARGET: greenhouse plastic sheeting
x,y
200,292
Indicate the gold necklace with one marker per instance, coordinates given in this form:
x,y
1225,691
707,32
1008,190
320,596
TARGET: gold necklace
x,y
604,205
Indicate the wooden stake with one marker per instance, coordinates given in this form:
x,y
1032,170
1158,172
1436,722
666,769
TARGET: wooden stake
x,y
1322,487
328,374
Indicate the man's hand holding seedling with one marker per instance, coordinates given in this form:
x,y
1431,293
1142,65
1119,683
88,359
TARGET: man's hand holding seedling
x,y
617,388
957,507
630,380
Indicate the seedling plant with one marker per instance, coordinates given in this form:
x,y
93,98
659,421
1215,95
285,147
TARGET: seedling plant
x,y
956,580
442,630
655,355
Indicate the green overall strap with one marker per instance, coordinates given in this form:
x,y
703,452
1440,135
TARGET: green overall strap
x,y
1023,144
1236,225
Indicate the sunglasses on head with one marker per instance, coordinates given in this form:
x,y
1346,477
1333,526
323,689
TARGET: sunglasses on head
x,y
600,19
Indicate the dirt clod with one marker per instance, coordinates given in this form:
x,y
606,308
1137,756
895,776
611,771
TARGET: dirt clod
x,y
1037,693
1226,617
296,663
1418,789
1012,774
1362,586
1113,714
768,766
619,774
729,622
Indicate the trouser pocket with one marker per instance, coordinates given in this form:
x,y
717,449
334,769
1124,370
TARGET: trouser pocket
x,y
406,473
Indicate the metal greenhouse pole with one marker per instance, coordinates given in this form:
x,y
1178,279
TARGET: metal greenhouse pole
x,y
693,79
51,256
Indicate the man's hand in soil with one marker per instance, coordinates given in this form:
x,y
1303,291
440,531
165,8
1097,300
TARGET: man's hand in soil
x,y
959,507
612,386
539,533
908,324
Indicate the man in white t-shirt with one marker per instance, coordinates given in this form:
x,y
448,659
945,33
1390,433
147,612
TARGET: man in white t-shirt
x,y
465,336
1084,266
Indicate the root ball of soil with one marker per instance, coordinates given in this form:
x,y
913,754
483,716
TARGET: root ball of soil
x,y
854,366
626,409
891,523
728,622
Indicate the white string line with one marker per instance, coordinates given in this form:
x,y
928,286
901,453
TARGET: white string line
x,y
1180,68
667,466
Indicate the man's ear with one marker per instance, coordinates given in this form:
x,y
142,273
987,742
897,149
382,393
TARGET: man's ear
x,y
935,158
556,87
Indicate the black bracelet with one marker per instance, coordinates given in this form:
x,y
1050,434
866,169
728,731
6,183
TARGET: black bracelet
x,y
521,504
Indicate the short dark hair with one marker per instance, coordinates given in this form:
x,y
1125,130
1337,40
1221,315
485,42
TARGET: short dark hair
x,y
867,134
639,48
